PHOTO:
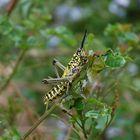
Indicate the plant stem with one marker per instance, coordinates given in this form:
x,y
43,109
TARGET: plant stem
x,y
83,128
74,127
72,117
14,70
83,125
11,6
42,118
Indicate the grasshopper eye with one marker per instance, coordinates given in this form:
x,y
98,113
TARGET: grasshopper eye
x,y
84,60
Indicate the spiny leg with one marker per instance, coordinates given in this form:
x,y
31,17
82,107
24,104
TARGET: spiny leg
x,y
56,71
54,81
56,64
57,80
81,90
68,88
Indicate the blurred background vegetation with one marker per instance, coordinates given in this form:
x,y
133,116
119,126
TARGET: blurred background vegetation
x,y
34,32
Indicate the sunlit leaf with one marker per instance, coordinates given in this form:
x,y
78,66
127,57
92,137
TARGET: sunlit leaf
x,y
92,114
102,121
131,38
115,61
93,101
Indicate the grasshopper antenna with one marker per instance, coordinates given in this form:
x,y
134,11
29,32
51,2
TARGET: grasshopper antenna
x,y
83,40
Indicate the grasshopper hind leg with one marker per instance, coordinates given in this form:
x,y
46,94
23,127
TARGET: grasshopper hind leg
x,y
56,64
57,80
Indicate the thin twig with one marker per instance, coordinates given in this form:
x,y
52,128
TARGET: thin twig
x,y
114,106
72,117
11,7
74,126
84,131
105,128
7,81
32,116
42,118
77,131
83,126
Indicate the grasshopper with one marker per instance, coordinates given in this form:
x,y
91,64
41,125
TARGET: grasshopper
x,y
62,84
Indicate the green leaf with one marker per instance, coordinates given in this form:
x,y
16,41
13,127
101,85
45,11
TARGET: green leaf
x,y
102,121
92,114
94,101
131,38
5,26
97,65
115,61
69,102
79,104
32,40
88,123
10,134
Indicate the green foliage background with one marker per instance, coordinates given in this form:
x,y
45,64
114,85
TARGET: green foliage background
x,y
38,31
